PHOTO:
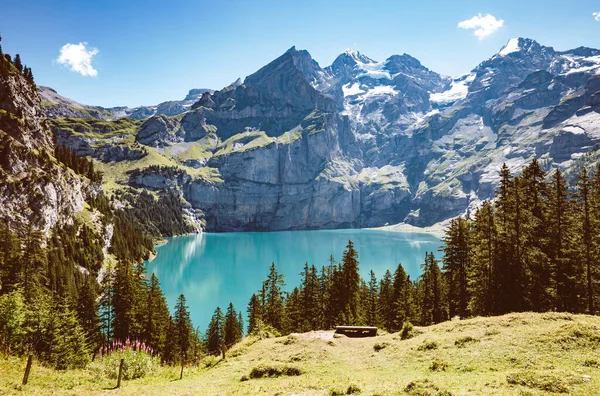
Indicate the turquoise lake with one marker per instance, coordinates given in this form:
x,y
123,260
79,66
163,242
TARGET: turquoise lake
x,y
214,269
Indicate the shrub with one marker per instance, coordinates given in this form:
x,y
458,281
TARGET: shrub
x,y
462,341
427,346
350,390
407,331
424,388
264,370
438,365
592,363
289,340
137,364
543,382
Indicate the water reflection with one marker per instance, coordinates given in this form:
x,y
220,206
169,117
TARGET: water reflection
x,y
214,269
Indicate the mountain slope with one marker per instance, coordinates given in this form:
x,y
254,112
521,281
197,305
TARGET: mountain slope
x,y
363,143
55,105
35,190
526,353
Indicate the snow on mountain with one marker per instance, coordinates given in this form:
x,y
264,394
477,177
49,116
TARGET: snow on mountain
x,y
510,47
352,90
458,90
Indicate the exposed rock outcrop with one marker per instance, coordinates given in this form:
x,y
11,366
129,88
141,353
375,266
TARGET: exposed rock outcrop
x,y
364,143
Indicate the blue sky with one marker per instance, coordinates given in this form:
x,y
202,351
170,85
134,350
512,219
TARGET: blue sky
x,y
152,51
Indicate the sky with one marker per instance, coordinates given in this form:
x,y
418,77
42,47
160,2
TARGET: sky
x,y
131,53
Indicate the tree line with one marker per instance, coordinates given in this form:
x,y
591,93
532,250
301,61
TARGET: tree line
x,y
6,63
336,294
536,247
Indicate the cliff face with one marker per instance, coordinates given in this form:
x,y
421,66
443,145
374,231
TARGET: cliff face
x,y
34,189
362,143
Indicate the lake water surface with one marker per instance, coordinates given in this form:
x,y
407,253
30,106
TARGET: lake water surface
x,y
214,269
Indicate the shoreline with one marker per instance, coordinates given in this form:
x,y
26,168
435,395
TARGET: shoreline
x,y
438,229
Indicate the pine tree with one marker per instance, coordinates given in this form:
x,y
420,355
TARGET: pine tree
x,y
171,348
183,327
386,302
401,299
456,265
309,295
371,303
157,316
18,63
231,330
431,302
294,313
351,287
563,266
595,224
124,301
214,334
483,273
332,285
35,264
535,241
254,314
584,231
87,313
274,313
69,348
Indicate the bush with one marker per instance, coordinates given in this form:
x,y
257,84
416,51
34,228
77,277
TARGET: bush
x,y
543,382
424,388
462,341
438,365
273,371
351,389
407,331
12,320
428,346
289,340
592,363
137,364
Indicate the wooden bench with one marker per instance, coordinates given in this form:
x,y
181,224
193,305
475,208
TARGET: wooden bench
x,y
356,331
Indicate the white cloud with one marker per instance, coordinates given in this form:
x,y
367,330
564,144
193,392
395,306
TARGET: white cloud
x,y
78,58
596,16
484,25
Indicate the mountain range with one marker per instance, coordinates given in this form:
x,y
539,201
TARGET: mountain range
x,y
359,143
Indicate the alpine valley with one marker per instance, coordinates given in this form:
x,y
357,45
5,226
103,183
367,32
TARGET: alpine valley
x,y
359,143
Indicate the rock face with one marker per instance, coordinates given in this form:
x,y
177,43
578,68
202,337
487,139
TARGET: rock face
x,y
363,143
35,191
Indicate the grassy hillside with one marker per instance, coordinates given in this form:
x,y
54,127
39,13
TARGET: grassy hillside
x,y
515,354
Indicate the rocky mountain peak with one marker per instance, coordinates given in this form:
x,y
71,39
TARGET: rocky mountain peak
x,y
520,45
348,64
196,93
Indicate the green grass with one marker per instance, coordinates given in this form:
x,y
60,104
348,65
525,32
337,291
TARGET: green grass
x,y
104,131
195,150
116,172
515,354
243,142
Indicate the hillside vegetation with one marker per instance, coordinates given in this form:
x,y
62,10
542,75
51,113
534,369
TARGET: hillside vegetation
x,y
524,353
